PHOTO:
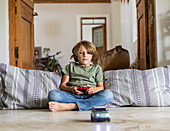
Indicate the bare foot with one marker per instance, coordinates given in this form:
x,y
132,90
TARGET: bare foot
x,y
55,106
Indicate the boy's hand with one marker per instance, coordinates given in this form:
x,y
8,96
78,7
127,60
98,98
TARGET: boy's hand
x,y
91,90
75,91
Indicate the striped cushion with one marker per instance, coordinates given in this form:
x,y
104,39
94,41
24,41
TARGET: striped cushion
x,y
139,88
24,88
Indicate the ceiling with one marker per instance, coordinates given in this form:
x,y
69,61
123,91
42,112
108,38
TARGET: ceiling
x,y
72,1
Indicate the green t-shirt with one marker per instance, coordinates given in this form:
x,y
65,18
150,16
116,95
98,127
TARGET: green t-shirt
x,y
83,74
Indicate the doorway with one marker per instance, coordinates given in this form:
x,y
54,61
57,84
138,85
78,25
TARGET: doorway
x,y
93,29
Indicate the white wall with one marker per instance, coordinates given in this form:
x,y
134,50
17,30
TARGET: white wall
x,y
163,32
56,25
129,28
4,37
115,24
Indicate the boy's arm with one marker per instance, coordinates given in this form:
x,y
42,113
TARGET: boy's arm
x,y
99,86
64,87
96,89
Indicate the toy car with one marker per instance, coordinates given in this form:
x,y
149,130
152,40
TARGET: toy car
x,y
83,89
100,114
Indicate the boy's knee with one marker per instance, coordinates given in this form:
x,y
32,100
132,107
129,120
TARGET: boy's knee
x,y
108,94
52,94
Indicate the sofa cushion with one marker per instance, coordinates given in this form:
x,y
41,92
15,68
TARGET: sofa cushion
x,y
139,88
22,88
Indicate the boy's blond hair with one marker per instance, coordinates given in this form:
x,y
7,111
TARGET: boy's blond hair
x,y
90,47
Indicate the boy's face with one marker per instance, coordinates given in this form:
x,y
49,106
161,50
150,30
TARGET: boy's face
x,y
84,58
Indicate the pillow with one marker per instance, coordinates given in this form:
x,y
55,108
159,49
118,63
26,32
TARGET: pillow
x,y
22,88
139,88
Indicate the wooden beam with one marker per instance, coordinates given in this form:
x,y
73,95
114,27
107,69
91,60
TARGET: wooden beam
x,y
72,1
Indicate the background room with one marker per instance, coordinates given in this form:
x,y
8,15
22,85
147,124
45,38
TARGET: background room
x,y
57,26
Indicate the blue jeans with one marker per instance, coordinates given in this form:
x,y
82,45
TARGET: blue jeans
x,y
84,102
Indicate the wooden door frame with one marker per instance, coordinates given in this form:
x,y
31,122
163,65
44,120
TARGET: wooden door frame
x,y
12,31
150,32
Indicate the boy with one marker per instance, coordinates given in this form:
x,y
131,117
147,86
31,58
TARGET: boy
x,y
77,74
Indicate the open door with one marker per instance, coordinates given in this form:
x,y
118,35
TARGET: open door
x,y
146,39
99,39
21,33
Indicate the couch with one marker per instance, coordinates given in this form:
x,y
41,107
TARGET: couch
x,y
28,89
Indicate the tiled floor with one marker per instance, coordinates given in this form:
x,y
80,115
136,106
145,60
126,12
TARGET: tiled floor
x,y
124,118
